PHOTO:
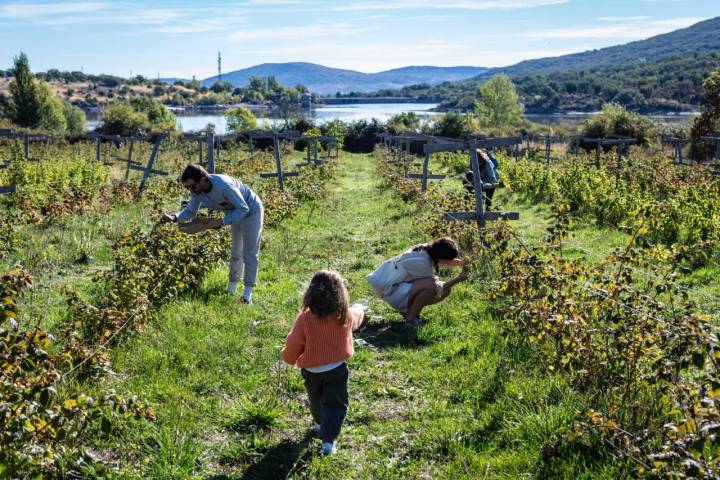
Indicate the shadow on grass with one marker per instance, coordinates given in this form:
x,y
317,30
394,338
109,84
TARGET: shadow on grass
x,y
208,292
277,462
390,334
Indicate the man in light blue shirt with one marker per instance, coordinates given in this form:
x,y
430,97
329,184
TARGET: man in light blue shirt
x,y
243,213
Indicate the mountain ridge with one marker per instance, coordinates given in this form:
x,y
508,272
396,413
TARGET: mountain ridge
x,y
329,80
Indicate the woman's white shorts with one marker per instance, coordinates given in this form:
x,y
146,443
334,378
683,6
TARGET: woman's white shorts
x,y
397,296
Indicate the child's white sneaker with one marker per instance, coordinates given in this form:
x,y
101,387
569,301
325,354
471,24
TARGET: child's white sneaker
x,y
328,448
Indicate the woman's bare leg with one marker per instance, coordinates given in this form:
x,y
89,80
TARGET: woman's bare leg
x,y
423,293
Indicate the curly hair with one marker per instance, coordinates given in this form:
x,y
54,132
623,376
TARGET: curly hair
x,y
327,296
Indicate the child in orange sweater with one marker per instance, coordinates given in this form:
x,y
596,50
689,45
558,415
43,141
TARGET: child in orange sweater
x,y
319,343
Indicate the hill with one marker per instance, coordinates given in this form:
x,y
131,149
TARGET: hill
x,y
670,84
702,37
662,73
326,80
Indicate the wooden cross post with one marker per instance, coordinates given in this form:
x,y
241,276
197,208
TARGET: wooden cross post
x,y
331,143
26,141
97,147
6,133
678,145
279,174
715,139
129,158
480,215
311,150
679,152
210,140
549,140
149,168
619,143
598,147
307,160
428,150
315,141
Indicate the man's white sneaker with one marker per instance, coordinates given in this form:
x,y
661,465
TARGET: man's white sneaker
x,y
328,448
318,429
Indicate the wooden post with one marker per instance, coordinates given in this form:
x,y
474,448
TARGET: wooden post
x,y
426,164
597,154
618,160
27,147
428,150
97,148
278,161
210,151
479,215
547,149
680,152
129,159
477,182
149,168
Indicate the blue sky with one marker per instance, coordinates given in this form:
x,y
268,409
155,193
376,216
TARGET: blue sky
x,y
181,39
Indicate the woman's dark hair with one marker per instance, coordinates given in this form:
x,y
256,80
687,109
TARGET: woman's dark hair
x,y
327,297
195,172
443,248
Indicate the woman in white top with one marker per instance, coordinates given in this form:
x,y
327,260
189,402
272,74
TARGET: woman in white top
x,y
409,282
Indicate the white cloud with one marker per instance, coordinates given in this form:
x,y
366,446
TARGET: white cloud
x,y
30,11
298,32
622,19
170,20
447,5
623,30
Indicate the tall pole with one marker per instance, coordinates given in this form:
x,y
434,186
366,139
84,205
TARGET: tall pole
x,y
219,68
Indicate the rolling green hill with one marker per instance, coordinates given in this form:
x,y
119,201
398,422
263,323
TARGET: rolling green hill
x,y
662,73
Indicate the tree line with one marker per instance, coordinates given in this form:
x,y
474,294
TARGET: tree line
x,y
670,84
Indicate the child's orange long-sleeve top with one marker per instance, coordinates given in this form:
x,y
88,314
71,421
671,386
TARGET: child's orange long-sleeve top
x,y
313,342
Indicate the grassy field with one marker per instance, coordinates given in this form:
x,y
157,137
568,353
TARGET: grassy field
x,y
458,398
452,400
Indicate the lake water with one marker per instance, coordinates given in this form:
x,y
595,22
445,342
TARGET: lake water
x,y
367,111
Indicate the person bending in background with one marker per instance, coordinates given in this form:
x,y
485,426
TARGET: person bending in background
x,y
243,213
488,165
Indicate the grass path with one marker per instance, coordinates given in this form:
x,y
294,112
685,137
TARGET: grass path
x,y
450,401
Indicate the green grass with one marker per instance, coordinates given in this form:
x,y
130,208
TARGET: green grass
x,y
452,400
456,399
